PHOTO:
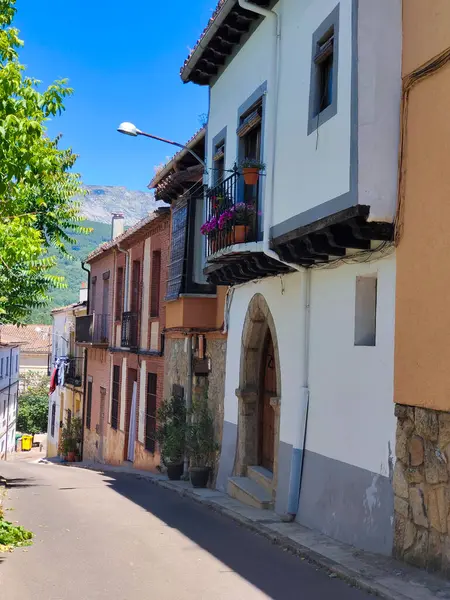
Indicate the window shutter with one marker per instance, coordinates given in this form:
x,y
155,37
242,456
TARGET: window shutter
x,y
150,424
324,50
251,121
155,283
119,295
177,250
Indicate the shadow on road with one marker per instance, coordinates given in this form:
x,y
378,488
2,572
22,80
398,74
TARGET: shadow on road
x,y
20,482
278,574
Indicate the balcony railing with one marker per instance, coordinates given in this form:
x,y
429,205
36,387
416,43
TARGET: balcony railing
x,y
74,374
129,337
93,329
231,214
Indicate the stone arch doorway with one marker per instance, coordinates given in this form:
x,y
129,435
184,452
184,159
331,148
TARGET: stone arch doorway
x,y
259,392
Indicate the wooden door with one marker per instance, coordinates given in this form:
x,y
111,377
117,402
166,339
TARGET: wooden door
x,y
132,377
266,412
135,286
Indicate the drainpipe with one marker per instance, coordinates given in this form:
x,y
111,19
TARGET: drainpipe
x,y
7,410
301,408
274,96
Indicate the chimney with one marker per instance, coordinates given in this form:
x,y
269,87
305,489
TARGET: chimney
x,y
117,225
83,292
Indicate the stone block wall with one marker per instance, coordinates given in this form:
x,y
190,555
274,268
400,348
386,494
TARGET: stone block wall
x,y
422,488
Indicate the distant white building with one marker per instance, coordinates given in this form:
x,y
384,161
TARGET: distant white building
x,y
9,389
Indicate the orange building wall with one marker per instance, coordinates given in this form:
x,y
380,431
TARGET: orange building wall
x,y
422,352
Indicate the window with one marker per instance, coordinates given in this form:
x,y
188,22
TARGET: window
x,y
52,422
324,67
119,294
150,416
135,286
7,366
249,132
115,397
17,363
2,365
366,310
155,284
219,162
89,405
93,293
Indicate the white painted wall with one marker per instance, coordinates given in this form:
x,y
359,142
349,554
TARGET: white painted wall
x,y
313,169
351,415
310,169
8,399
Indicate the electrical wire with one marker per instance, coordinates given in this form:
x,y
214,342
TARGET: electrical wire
x,y
409,81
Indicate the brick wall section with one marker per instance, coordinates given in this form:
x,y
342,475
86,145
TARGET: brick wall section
x,y
422,488
113,450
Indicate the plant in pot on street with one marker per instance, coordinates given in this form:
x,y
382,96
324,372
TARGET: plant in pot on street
x,y
201,445
251,168
171,435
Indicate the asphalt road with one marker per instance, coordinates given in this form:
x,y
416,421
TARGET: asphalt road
x,y
118,537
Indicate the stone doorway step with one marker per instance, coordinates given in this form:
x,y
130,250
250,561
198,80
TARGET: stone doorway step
x,y
255,489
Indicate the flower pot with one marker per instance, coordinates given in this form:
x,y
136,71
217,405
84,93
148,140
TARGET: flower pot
x,y
175,471
71,456
199,476
251,175
240,233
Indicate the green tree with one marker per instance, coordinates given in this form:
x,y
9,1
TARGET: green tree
x,y
37,184
32,416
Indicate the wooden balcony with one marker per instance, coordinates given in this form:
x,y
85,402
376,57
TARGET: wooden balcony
x,y
130,324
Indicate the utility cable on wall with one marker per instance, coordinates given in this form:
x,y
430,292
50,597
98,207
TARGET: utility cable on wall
x,y
409,81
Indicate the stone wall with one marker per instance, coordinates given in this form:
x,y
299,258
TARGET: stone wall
x,y
422,488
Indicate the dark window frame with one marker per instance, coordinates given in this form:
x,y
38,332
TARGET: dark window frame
x,y
119,293
115,397
52,420
89,404
325,44
150,412
155,284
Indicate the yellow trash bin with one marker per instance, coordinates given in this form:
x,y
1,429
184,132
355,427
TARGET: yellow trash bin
x,y
27,442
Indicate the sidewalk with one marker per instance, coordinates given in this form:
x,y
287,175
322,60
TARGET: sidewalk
x,y
380,575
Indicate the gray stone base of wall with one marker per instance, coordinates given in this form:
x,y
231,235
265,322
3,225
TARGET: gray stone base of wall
x,y
422,488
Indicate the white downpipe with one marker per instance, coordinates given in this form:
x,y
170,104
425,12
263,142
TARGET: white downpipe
x,y
301,408
125,282
273,124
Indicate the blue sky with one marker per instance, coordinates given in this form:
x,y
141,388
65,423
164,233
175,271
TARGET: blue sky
x,y
123,60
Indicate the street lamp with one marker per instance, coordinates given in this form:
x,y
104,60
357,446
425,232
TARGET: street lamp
x,y
133,131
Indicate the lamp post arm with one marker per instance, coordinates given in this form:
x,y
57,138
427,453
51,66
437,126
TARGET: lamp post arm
x,y
160,139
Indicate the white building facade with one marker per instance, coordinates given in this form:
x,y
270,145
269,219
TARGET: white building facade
x,y
312,89
9,390
66,400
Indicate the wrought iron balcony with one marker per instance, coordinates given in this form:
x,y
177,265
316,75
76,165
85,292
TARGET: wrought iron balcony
x,y
129,337
232,214
74,374
93,329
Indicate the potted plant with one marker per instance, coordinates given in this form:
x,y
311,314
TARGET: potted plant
x,y
251,168
77,433
171,435
201,446
210,229
243,214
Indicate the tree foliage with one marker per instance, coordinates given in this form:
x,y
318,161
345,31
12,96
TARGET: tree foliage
x,y
37,183
32,416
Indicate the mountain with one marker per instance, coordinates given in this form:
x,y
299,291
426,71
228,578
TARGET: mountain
x,y
102,200
97,205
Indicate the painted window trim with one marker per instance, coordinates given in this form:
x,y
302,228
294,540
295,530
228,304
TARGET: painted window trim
x,y
258,94
316,120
